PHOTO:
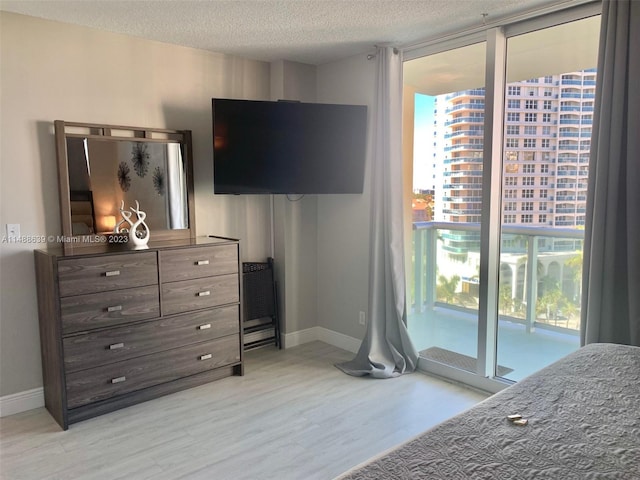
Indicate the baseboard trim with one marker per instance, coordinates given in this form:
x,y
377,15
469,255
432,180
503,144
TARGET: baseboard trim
x,y
21,402
322,334
300,337
30,399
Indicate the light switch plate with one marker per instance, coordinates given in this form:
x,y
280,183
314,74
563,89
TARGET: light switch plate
x,y
13,230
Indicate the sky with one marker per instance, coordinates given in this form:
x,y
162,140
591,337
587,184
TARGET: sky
x,y
423,142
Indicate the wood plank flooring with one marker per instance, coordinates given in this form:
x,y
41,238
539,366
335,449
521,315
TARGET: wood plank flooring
x,y
293,416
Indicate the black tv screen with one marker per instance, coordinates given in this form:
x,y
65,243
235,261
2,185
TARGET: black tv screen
x,y
288,147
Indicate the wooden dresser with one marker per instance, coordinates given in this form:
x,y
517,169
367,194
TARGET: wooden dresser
x,y
121,326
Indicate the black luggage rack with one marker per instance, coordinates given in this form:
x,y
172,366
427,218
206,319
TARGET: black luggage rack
x,y
261,325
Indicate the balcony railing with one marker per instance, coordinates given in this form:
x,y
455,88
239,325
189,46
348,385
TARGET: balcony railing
x,y
462,173
567,108
466,93
464,133
464,146
456,160
571,81
461,186
567,159
462,211
455,121
453,201
523,300
565,210
465,106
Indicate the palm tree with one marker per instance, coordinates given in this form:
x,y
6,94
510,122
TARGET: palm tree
x,y
552,302
575,267
446,288
505,300
548,303
575,263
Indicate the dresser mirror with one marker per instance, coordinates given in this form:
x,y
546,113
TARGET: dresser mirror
x,y
103,168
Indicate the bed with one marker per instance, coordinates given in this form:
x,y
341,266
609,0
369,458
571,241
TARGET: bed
x,y
583,422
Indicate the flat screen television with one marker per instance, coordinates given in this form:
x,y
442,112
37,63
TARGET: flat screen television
x,y
288,147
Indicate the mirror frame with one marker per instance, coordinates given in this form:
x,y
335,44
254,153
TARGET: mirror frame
x,y
64,130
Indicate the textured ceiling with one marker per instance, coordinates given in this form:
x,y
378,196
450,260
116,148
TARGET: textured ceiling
x,y
307,31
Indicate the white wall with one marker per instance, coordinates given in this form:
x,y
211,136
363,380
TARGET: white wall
x,y
50,71
296,251
322,241
343,220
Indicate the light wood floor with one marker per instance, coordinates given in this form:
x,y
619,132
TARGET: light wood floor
x,y
292,416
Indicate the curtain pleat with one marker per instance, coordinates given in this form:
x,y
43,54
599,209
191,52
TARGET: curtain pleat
x,y
386,350
611,270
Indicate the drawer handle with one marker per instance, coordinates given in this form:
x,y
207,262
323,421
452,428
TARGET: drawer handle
x,y
118,379
206,293
112,273
114,308
115,346
204,327
206,357
202,262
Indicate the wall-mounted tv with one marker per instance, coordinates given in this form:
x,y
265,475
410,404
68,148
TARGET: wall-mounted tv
x,y
288,147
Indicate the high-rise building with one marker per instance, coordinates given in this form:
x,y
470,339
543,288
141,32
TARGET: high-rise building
x,y
547,133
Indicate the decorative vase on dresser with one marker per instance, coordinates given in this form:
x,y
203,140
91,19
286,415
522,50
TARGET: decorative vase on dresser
x,y
121,326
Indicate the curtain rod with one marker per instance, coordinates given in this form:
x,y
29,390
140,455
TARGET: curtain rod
x,y
371,56
498,22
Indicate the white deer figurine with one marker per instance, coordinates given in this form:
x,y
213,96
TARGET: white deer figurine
x,y
139,238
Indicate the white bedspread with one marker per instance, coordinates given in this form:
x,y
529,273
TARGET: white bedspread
x,y
583,423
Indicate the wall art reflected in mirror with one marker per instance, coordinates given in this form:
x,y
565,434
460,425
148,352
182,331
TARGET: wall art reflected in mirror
x,y
103,174
105,168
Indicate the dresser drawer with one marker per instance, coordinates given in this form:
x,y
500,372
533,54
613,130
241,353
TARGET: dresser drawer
x,y
86,312
122,343
77,276
200,262
92,385
207,292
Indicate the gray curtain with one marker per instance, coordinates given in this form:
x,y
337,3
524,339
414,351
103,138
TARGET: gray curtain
x,y
386,350
611,281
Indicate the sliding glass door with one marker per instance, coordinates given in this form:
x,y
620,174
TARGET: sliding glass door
x,y
548,114
501,130
447,202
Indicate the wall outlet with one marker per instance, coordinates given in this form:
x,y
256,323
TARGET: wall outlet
x,y
362,319
13,230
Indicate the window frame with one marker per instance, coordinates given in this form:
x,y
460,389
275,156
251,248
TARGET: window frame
x,y
495,34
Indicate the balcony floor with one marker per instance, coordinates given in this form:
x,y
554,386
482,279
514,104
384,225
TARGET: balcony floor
x,y
523,352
